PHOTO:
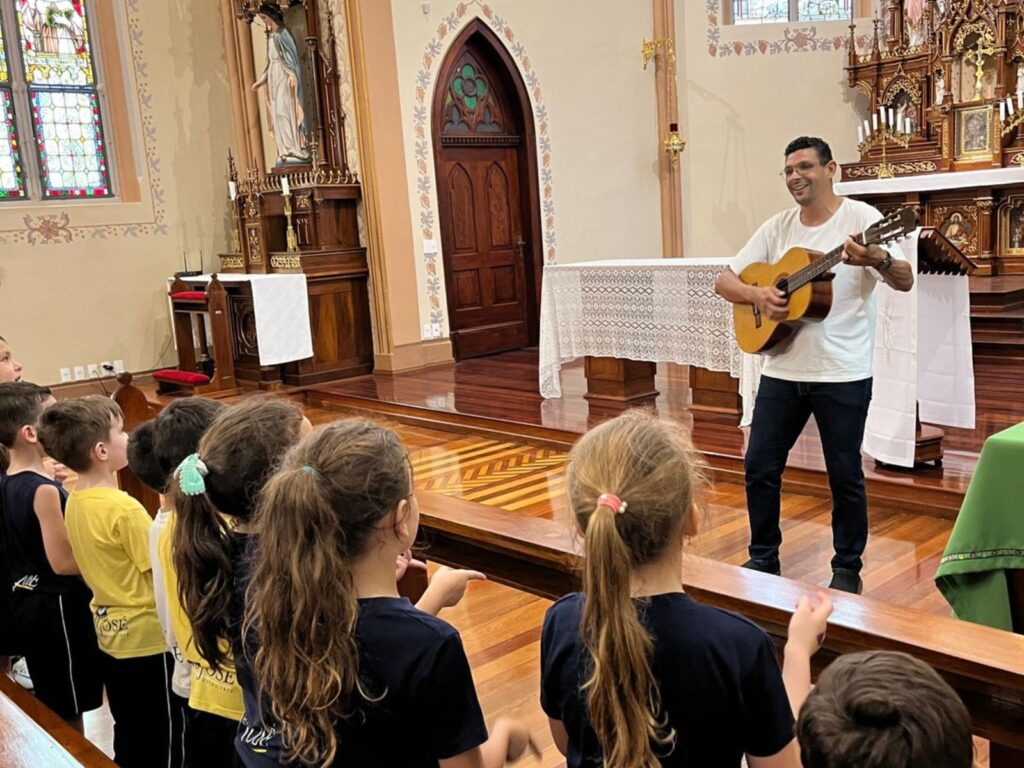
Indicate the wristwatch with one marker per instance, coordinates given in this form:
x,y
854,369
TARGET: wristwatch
x,y
885,263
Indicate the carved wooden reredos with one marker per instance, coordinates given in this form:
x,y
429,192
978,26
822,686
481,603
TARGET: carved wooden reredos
x,y
947,70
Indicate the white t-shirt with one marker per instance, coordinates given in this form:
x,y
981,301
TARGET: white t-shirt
x,y
840,347
181,679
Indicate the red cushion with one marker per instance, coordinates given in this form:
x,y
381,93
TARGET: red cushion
x,y
174,376
189,296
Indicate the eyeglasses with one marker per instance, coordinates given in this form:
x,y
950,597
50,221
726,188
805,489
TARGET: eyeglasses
x,y
801,168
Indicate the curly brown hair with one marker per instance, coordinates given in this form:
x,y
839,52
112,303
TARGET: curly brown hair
x,y
318,514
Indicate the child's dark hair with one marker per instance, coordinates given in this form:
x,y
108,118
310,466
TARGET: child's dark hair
x,y
142,459
649,465
240,449
882,709
179,428
70,429
317,515
21,404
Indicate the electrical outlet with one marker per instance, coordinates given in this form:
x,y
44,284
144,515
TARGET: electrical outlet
x,y
119,366
94,371
79,373
65,375
426,9
106,368
427,331
435,331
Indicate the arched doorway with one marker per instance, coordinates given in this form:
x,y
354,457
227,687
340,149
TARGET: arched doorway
x,y
488,203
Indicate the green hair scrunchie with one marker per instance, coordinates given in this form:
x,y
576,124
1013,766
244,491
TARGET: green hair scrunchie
x,y
191,473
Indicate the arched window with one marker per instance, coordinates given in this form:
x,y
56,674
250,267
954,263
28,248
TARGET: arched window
x,y
52,138
769,11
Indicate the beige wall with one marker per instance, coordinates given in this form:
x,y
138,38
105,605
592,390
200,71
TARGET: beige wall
x,y
102,295
601,111
738,114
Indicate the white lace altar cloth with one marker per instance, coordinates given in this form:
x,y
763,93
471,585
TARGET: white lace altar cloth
x,y
655,310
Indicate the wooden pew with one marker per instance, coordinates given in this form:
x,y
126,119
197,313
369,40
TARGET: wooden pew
x,y
32,736
540,556
136,409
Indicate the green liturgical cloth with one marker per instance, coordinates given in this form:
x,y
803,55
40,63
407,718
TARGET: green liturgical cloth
x,y
988,537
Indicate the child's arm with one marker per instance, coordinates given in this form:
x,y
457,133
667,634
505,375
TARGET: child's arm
x,y
446,589
46,505
560,735
508,741
133,529
806,634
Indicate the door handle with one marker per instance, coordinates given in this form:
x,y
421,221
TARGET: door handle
x,y
520,246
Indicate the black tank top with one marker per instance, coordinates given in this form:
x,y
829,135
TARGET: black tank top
x,y
22,538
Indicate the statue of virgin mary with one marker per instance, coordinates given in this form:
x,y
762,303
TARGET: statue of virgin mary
x,y
282,78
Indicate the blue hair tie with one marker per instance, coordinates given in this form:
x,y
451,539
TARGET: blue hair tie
x,y
310,470
191,473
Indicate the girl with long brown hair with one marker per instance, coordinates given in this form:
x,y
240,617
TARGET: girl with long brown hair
x,y
634,672
352,674
215,491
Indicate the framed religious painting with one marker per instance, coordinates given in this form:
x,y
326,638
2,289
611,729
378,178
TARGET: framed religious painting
x,y
1011,227
974,133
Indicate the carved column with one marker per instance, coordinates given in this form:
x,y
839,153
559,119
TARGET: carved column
x,y
241,75
668,113
986,234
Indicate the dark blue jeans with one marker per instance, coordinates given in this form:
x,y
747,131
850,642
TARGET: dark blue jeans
x,y
781,411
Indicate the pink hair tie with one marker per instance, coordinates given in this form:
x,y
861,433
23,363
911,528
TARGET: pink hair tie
x,y
613,502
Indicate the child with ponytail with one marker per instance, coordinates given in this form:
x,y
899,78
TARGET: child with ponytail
x,y
354,675
215,491
634,672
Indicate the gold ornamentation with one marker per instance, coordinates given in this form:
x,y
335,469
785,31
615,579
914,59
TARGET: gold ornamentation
x,y
974,128
255,249
648,49
302,202
909,84
864,87
980,28
674,144
945,142
289,233
277,261
231,262
985,204
898,169
1017,159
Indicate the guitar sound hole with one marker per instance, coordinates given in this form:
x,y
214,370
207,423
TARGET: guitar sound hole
x,y
783,285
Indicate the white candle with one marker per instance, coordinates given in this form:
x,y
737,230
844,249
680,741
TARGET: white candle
x,y
1009,106
867,129
874,122
1020,99
892,121
906,122
232,190
1002,111
881,111
860,134
285,189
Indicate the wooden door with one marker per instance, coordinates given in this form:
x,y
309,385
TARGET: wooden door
x,y
485,159
482,237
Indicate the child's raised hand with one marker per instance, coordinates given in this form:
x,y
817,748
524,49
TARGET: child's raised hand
x,y
406,562
447,588
807,627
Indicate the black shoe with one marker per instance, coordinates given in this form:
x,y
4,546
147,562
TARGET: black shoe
x,y
772,566
846,581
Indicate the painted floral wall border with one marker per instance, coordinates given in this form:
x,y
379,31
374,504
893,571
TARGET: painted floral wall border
x,y
56,227
793,39
425,181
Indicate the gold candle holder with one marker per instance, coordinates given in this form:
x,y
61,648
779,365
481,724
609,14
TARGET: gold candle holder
x,y
881,138
236,245
292,240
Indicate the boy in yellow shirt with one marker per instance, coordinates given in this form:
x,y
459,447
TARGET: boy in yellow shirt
x,y
109,534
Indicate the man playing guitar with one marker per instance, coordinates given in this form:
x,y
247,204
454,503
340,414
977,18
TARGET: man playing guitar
x,y
824,368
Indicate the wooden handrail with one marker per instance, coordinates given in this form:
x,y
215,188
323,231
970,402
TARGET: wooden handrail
x,y
33,736
541,556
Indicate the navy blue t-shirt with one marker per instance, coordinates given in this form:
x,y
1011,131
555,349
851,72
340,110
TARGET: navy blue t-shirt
x,y
27,565
413,662
720,683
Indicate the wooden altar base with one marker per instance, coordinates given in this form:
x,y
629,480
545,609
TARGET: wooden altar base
x,y
497,397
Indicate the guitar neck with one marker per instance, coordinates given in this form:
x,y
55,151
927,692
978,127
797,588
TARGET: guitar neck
x,y
817,268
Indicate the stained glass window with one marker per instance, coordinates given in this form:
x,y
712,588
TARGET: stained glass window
x,y
59,72
12,178
770,11
469,103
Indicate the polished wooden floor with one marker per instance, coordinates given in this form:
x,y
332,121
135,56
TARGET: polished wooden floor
x,y
503,388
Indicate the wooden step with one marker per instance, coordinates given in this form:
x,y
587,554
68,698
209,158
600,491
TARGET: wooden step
x,y
1007,321
996,293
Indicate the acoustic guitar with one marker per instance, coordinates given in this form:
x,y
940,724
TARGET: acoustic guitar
x,y
804,278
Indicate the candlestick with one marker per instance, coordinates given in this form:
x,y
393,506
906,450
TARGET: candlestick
x,y
232,191
881,112
860,134
290,238
867,129
1002,111
1009,106
1020,99
891,120
874,122
906,121
285,190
